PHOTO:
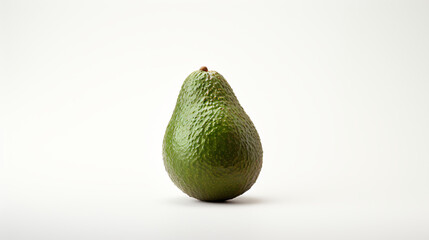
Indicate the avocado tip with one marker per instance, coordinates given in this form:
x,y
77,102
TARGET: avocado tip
x,y
204,68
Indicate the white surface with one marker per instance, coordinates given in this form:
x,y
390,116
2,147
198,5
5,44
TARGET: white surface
x,y
337,90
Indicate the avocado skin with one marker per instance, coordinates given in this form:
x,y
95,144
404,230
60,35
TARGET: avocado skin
x,y
211,148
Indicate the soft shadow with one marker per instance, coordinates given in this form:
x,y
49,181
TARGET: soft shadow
x,y
242,201
233,202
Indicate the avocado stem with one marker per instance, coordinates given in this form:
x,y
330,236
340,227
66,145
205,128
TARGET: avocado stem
x,y
204,68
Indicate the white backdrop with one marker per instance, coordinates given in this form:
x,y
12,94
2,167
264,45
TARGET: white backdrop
x,y
338,91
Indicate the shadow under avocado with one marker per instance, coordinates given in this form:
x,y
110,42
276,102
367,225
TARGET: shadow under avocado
x,y
240,201
232,202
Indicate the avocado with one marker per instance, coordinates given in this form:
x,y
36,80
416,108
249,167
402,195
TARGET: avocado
x,y
211,148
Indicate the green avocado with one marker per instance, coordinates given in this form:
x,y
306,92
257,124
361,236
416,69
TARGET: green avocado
x,y
211,148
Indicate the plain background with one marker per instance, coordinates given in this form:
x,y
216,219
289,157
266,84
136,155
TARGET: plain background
x,y
338,90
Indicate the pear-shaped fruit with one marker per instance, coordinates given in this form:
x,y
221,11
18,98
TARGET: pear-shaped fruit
x,y
211,148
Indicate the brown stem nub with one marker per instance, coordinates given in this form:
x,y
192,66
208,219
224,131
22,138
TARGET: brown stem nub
x,y
204,68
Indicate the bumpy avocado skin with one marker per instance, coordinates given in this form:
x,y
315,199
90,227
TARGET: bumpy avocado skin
x,y
211,148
